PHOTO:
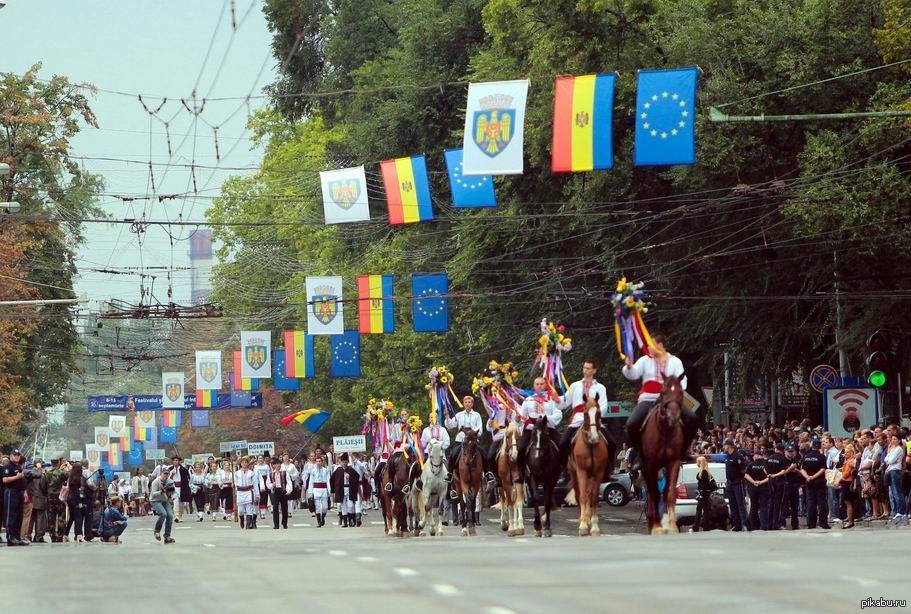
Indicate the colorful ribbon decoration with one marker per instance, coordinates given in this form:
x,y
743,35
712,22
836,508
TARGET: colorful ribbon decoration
x,y
441,394
552,343
497,389
630,331
377,424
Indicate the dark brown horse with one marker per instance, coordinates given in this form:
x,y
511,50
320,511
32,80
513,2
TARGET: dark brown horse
x,y
588,462
471,468
542,465
395,483
662,448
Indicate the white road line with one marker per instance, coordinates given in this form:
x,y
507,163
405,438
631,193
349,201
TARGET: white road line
x,y
375,522
864,582
209,545
405,572
446,590
302,524
218,526
338,553
183,528
498,610
367,559
521,540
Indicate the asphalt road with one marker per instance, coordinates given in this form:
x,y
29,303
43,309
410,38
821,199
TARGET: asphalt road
x,y
214,567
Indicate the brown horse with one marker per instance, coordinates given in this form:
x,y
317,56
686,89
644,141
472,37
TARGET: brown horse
x,y
662,447
395,484
471,468
542,466
512,489
587,464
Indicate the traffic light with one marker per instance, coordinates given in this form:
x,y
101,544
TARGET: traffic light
x,y
880,359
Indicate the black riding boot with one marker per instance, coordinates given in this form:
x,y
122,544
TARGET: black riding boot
x,y
358,521
242,523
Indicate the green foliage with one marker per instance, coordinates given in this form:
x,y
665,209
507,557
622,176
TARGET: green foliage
x,y
739,249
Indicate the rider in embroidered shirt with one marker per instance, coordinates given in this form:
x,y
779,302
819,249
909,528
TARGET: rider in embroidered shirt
x,y
433,431
590,388
539,404
653,370
466,420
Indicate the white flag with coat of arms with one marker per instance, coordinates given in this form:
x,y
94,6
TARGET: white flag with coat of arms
x,y
208,369
494,128
345,195
324,306
256,354
172,383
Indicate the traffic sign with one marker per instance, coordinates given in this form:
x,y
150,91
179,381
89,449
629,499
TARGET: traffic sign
x,y
824,376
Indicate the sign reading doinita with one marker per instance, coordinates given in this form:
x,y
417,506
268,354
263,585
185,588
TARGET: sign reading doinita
x,y
261,447
232,446
75,455
351,443
154,453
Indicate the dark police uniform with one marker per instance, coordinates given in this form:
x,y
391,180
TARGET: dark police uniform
x,y
12,503
759,495
774,464
793,482
734,468
817,505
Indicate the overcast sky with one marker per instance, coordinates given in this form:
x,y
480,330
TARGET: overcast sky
x,y
155,49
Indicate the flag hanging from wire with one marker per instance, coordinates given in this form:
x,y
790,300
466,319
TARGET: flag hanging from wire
x,y
346,354
583,114
298,354
375,304
345,195
494,128
430,302
665,117
407,190
468,190
280,381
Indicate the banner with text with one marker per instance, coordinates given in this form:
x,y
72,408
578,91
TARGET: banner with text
x,y
350,443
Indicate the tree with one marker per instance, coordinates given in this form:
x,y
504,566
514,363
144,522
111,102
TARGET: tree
x,y
37,121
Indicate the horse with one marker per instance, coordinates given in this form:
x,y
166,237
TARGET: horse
x,y
395,483
662,447
471,468
512,489
589,460
414,499
542,466
434,479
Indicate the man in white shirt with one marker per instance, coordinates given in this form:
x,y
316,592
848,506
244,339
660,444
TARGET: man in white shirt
x,y
466,421
537,405
434,431
574,399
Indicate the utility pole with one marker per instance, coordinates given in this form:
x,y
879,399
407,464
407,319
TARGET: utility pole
x,y
839,320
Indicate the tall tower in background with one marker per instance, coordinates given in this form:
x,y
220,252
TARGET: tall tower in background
x,y
201,266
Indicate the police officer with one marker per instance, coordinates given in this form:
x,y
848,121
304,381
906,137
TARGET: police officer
x,y
734,467
775,468
758,486
793,481
14,483
813,469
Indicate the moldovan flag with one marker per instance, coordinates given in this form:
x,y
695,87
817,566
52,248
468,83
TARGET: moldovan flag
x,y
206,398
115,459
125,440
298,353
374,304
583,112
345,195
256,354
494,128
407,190
143,423
240,383
170,418
172,390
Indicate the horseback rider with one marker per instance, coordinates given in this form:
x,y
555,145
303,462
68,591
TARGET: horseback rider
x,y
466,421
653,371
433,431
590,388
496,426
539,404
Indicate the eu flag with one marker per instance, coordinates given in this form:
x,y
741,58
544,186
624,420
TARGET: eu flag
x,y
199,418
430,302
346,354
134,457
168,434
665,117
279,380
240,398
468,190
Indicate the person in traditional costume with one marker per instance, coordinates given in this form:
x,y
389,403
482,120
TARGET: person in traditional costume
x,y
225,479
261,468
318,490
540,403
246,481
433,430
279,486
465,421
198,488
586,388
345,482
213,489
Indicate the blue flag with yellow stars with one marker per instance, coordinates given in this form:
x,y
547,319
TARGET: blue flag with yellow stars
x,y
468,190
665,117
346,354
430,302
134,456
279,380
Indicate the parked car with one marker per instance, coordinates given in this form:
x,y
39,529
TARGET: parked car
x,y
686,490
615,493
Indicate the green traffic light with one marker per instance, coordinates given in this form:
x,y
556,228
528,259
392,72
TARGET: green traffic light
x,y
877,379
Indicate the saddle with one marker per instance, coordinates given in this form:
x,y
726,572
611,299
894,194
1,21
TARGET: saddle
x,y
656,409
579,431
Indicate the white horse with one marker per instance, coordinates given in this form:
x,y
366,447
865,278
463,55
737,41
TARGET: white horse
x,y
435,481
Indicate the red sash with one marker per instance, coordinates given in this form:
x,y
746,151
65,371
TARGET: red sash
x,y
651,387
319,485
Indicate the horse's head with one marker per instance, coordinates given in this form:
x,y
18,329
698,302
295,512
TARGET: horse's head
x,y
400,469
436,450
671,400
511,441
471,442
591,418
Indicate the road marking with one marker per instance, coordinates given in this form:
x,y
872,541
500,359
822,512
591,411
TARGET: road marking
x,y
143,529
446,590
218,526
209,545
614,520
864,582
367,559
376,522
338,553
521,540
302,524
183,528
498,610
405,572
